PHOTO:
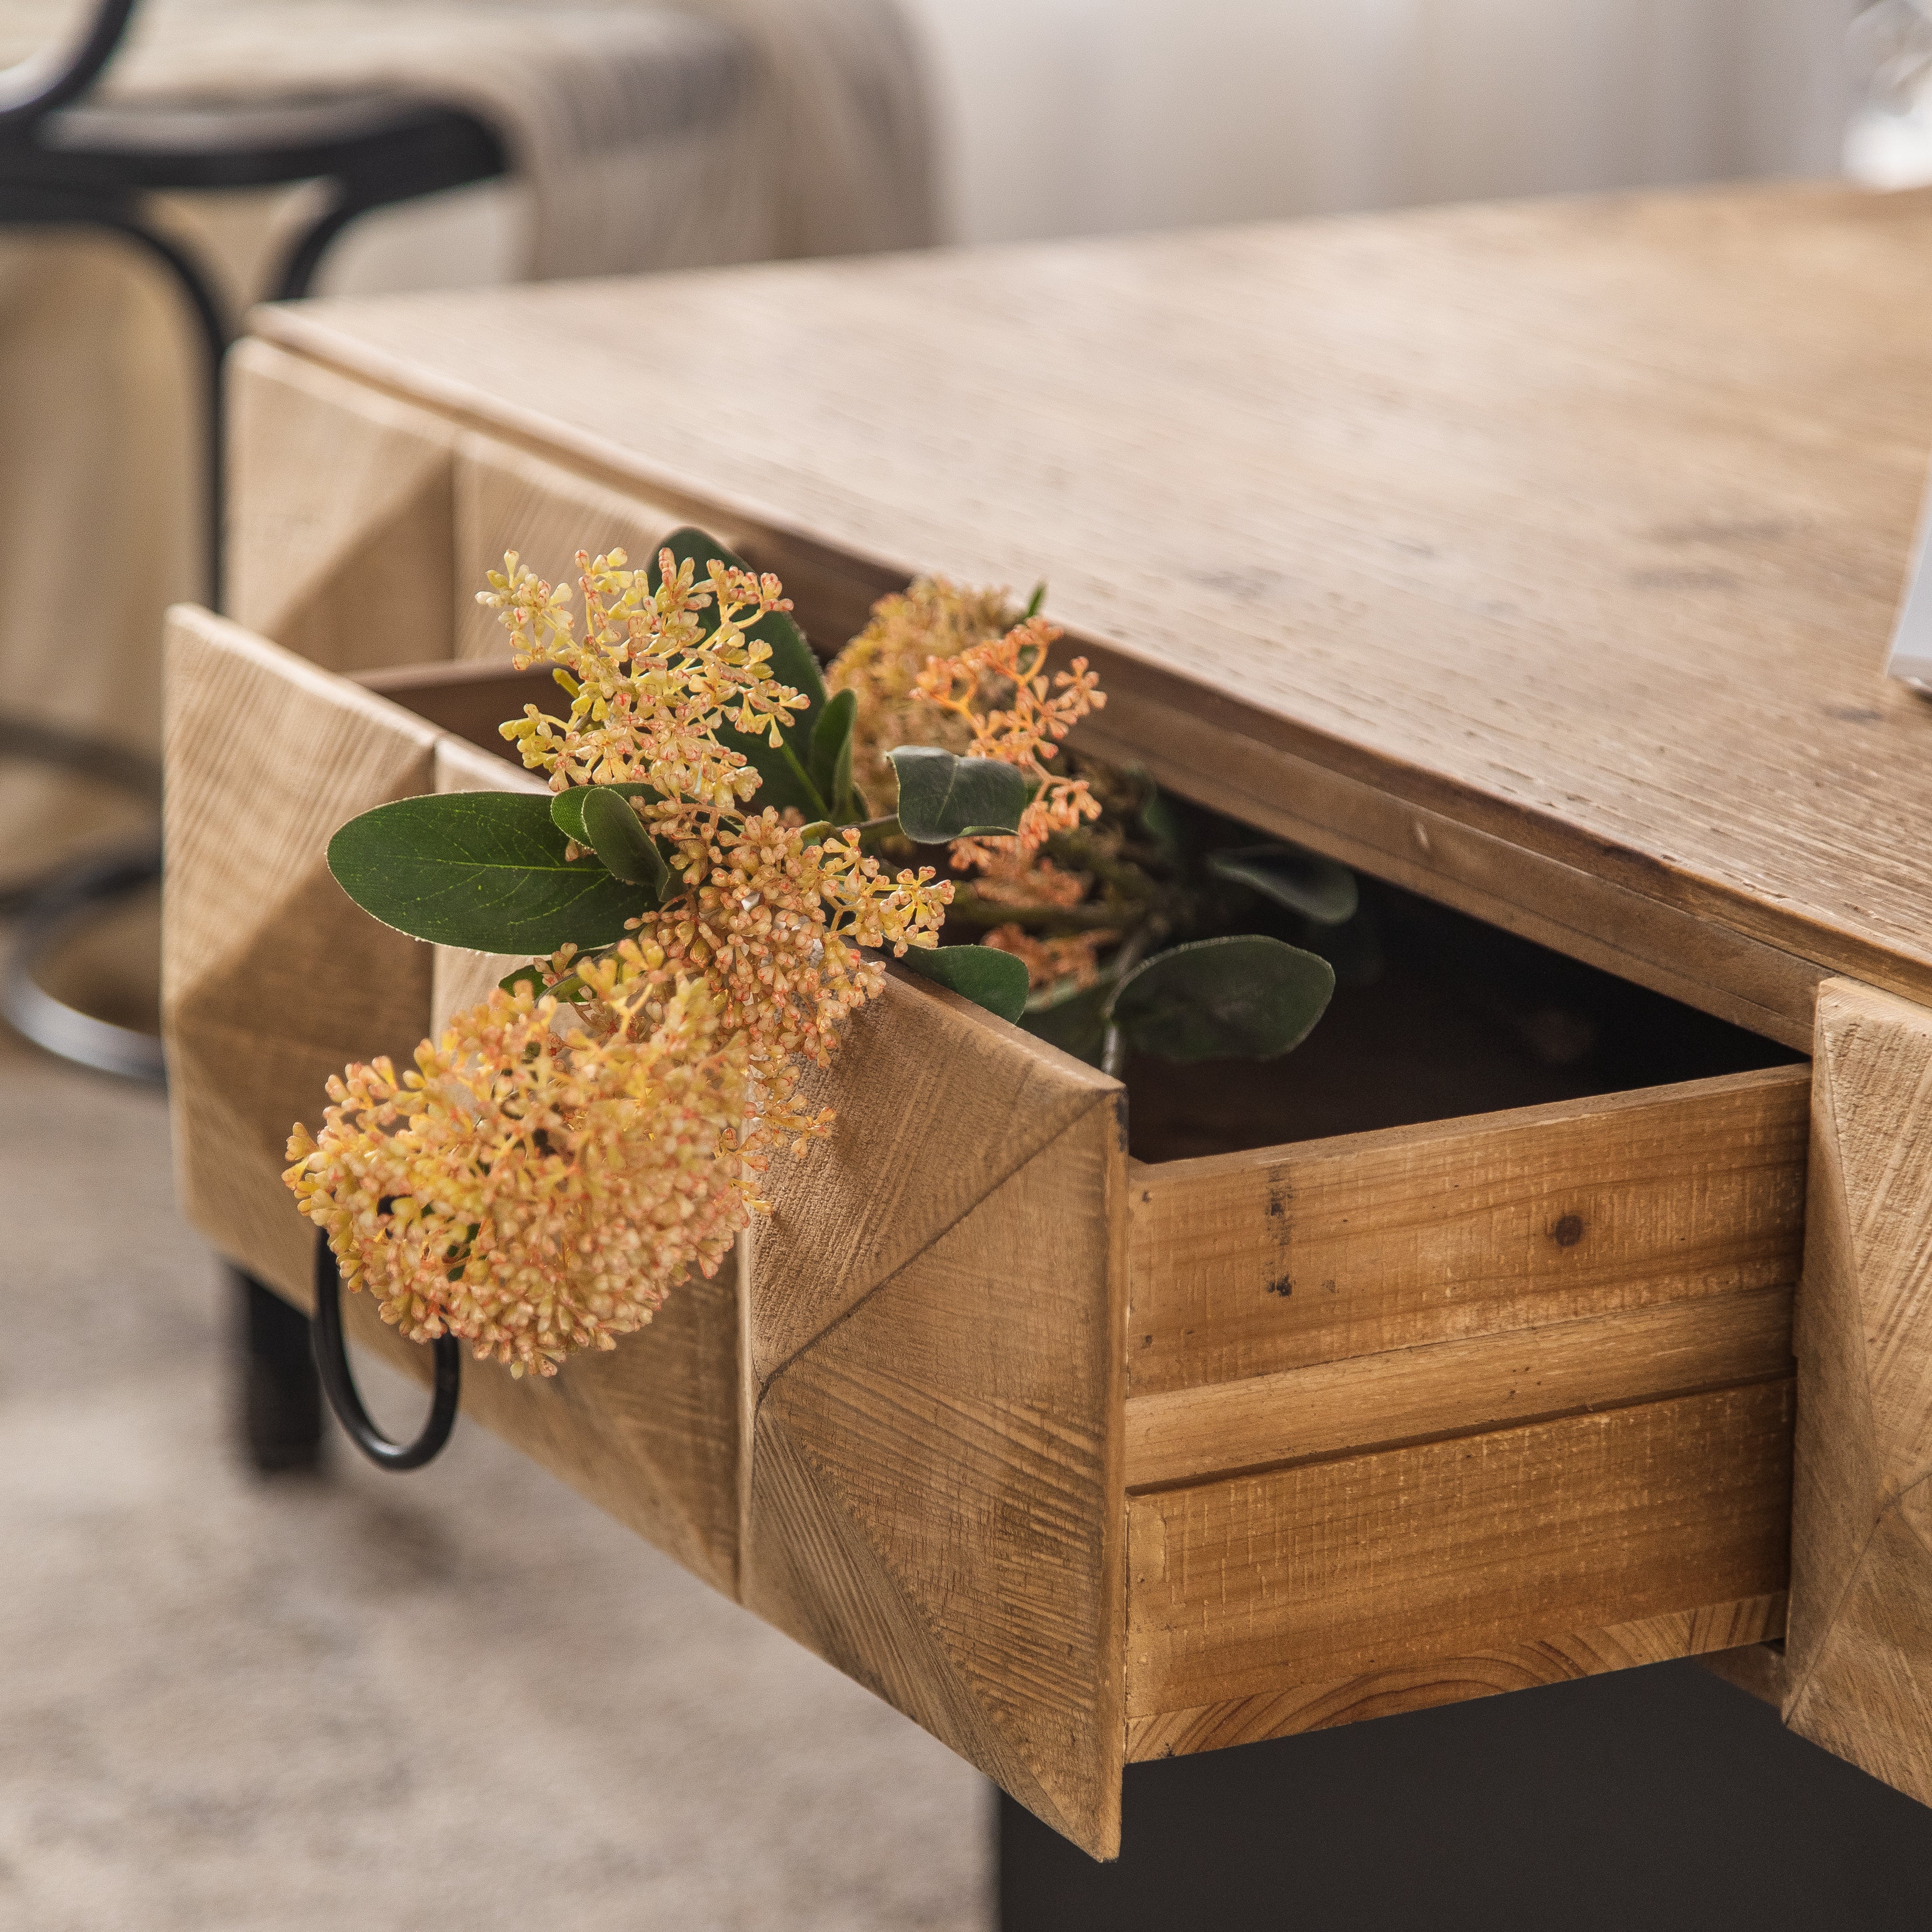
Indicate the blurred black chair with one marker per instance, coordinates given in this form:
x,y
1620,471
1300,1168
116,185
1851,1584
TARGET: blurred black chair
x,y
67,162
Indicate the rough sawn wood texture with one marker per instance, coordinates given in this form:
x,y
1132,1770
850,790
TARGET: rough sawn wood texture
x,y
1858,1675
1541,555
932,1369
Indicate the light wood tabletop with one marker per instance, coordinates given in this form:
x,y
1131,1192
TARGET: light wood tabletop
x,y
1542,556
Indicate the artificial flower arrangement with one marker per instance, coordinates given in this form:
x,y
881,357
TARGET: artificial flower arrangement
x,y
732,842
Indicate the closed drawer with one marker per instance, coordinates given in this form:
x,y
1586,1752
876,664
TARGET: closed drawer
x,y
1071,1455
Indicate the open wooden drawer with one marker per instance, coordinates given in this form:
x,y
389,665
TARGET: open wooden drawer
x,y
1072,1455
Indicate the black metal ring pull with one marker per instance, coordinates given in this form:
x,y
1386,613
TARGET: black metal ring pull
x,y
331,1362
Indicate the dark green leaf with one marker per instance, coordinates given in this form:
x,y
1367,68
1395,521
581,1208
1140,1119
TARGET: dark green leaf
x,y
531,975
831,764
1038,597
943,797
629,851
1072,1018
1241,998
566,807
988,977
481,869
1304,881
1162,823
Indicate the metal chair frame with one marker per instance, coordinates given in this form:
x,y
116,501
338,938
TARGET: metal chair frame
x,y
66,163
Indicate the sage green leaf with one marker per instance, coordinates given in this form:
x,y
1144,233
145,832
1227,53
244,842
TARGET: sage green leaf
x,y
830,767
1241,998
1318,888
987,977
943,797
1073,1018
629,851
481,869
566,807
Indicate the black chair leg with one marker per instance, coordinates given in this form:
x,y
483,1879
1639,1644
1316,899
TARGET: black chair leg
x,y
280,1393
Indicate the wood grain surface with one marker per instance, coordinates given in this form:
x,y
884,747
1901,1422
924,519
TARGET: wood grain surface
x,y
1360,1563
1447,1388
1859,1657
340,542
1711,1633
1567,535
1251,1264
932,1366
273,979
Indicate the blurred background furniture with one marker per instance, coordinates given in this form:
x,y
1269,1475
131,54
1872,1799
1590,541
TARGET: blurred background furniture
x,y
233,142
67,165
639,138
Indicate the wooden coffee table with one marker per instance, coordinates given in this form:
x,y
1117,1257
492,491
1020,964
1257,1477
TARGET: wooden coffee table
x,y
1539,559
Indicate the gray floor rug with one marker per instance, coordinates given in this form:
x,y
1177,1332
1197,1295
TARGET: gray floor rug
x,y
462,1698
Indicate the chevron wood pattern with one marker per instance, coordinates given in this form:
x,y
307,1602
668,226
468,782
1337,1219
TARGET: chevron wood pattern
x,y
346,551
1859,1652
933,1384
266,755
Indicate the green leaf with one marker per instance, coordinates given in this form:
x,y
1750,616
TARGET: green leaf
x,y
1318,888
481,869
1162,823
629,851
943,797
1072,1018
987,977
566,807
531,976
1241,998
830,767
1038,597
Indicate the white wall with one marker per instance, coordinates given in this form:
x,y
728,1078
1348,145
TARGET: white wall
x,y
1071,116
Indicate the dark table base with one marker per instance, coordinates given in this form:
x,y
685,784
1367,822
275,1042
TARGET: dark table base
x,y
1646,1800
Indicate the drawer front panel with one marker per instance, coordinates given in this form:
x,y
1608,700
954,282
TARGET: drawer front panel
x,y
1251,1264
1446,1388
1339,1568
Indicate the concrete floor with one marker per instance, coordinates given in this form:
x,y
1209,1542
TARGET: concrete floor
x,y
461,1698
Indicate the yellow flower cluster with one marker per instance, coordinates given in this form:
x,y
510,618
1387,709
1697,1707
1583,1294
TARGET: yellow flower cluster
x,y
934,618
1021,723
648,686
772,924
554,1165
542,1177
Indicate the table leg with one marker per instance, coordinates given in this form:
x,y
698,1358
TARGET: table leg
x,y
281,1396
